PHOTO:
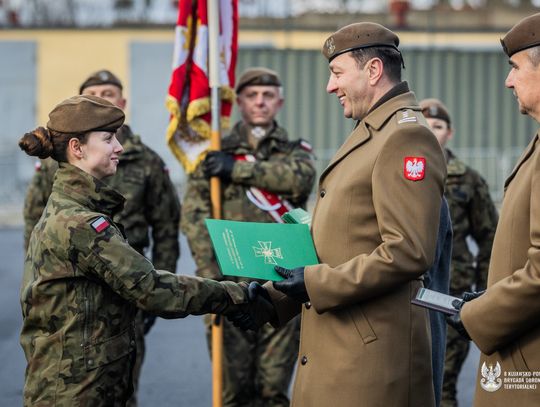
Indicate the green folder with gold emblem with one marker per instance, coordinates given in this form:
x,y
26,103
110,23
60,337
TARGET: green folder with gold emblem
x,y
250,249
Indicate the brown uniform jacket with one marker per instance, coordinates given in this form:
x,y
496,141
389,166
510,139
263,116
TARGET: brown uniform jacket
x,y
362,342
504,322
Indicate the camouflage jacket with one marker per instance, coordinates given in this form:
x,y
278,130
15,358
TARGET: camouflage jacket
x,y
151,200
283,167
82,283
473,214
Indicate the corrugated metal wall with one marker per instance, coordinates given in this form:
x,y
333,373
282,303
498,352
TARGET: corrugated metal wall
x,y
489,130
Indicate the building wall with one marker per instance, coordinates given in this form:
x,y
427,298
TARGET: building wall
x,y
39,68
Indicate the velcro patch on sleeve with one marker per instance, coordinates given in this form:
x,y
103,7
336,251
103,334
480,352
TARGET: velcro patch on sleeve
x,y
414,168
100,224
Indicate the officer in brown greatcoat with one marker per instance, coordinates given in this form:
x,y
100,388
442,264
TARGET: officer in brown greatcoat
x,y
503,322
375,228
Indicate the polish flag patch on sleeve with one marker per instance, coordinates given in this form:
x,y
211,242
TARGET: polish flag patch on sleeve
x,y
414,168
100,224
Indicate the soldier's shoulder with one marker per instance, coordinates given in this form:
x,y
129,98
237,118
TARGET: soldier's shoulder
x,y
301,144
407,116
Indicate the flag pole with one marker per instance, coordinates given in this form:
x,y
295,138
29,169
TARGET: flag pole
x,y
215,186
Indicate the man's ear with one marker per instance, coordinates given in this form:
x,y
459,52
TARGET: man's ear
x,y
74,148
375,70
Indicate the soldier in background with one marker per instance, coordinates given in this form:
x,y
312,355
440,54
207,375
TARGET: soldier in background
x,y
473,214
151,208
263,174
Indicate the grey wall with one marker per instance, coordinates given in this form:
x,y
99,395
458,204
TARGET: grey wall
x,y
17,115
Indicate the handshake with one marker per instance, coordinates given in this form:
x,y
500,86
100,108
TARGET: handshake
x,y
260,308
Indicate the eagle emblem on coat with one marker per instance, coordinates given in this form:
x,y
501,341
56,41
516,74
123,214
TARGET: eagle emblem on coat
x,y
414,168
490,377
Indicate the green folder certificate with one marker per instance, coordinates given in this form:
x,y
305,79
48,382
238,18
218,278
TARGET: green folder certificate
x,y
250,249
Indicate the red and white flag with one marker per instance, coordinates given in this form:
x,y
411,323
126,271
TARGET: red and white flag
x,y
188,100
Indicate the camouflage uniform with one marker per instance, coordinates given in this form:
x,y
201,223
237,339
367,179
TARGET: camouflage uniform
x,y
257,366
473,214
81,288
151,202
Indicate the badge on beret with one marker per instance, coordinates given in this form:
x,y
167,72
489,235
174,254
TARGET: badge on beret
x,y
330,46
100,224
414,168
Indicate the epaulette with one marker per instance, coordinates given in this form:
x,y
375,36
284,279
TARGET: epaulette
x,y
406,116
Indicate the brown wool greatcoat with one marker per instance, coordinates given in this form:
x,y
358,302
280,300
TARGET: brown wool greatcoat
x,y
505,321
362,342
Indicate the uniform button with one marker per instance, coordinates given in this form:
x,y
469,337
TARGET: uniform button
x,y
90,362
132,343
308,305
323,193
303,361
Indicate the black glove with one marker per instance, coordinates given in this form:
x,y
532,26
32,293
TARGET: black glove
x,y
293,285
258,312
218,164
455,320
148,322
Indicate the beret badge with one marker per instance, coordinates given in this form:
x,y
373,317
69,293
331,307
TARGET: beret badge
x,y
330,46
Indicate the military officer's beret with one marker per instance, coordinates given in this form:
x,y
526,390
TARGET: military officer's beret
x,y
525,34
435,109
81,114
102,77
356,36
258,76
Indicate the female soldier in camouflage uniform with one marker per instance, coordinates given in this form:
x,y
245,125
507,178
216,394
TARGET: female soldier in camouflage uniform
x,y
82,281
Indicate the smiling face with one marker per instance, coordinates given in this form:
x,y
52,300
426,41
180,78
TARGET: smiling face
x,y
259,104
351,85
524,80
98,155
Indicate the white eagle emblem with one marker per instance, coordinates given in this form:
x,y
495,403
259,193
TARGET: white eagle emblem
x,y
415,168
490,377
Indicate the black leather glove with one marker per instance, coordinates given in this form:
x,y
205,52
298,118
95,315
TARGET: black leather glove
x,y
293,285
258,312
455,320
148,322
218,164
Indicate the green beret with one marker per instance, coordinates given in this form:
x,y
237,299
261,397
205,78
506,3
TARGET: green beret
x,y
81,114
102,77
258,76
525,34
356,36
435,109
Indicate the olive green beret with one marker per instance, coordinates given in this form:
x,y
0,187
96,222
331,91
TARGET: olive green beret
x,y
356,36
258,76
435,109
81,114
525,34
102,77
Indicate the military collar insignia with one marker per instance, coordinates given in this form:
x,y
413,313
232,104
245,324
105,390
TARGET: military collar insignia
x,y
258,132
414,168
100,224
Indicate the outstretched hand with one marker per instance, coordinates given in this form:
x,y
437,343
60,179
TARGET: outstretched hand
x,y
257,312
293,284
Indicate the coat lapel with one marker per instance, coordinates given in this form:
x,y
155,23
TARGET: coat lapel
x,y
528,152
374,120
358,137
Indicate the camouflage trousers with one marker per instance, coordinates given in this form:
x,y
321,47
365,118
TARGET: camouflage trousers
x,y
457,349
139,357
257,366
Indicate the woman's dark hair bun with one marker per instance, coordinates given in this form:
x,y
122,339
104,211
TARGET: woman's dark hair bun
x,y
37,143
